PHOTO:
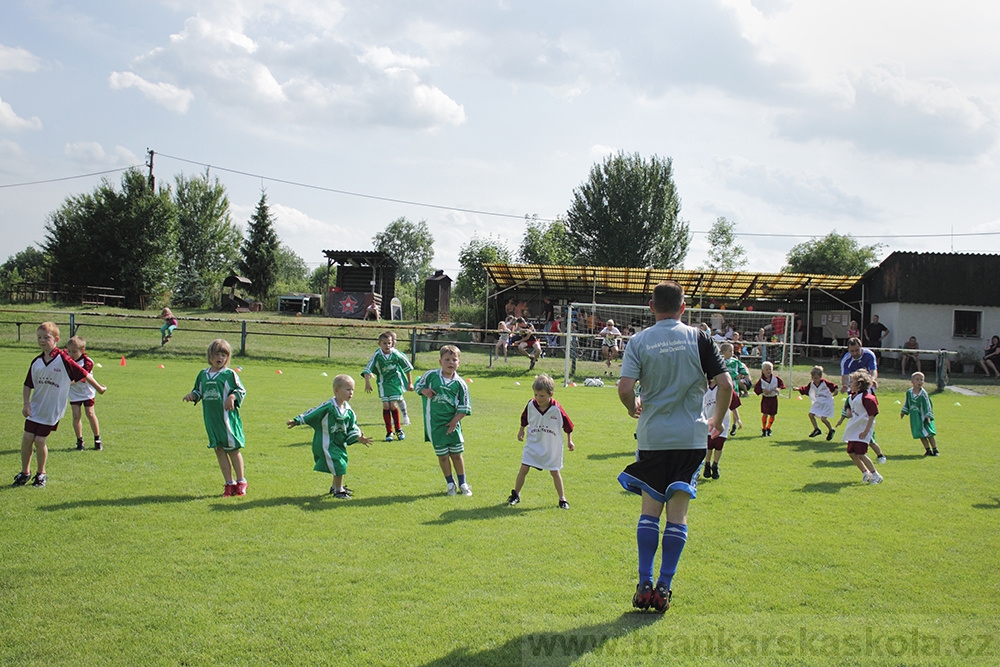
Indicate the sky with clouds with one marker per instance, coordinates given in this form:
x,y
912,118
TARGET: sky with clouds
x,y
791,118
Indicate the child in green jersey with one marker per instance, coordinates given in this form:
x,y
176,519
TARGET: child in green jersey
x,y
392,371
335,427
918,406
446,402
221,393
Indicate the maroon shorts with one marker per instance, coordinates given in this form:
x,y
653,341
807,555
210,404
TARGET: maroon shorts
x,y
89,403
41,430
857,447
769,405
716,442
735,402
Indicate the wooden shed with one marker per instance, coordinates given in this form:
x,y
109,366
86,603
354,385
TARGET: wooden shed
x,y
363,278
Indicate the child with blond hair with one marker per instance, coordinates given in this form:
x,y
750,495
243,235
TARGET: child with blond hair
x,y
221,394
543,419
768,387
918,406
46,390
820,392
859,430
335,426
446,402
81,395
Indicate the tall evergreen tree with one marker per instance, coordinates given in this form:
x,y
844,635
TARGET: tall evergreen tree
x,y
260,251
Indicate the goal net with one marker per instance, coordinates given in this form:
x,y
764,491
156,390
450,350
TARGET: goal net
x,y
757,335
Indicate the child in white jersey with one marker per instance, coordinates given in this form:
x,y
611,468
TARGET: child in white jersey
x,y
81,395
46,390
545,421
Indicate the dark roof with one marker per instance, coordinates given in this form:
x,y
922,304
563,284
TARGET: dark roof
x,y
701,284
945,278
371,258
233,279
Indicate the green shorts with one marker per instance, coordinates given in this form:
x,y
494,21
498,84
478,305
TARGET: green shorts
x,y
449,448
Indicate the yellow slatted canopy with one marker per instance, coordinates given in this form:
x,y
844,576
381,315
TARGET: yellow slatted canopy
x,y
729,286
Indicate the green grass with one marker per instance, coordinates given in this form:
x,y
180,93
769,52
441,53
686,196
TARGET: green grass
x,y
130,556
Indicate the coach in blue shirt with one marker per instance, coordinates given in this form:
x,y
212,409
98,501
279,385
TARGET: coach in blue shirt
x,y
857,358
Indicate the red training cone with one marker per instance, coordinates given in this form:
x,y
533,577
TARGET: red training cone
x,y
122,363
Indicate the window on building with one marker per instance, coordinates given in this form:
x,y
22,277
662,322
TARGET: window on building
x,y
968,324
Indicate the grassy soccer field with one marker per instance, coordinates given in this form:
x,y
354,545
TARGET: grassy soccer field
x,y
130,556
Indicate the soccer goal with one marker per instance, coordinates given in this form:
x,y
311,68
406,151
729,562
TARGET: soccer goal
x,y
762,336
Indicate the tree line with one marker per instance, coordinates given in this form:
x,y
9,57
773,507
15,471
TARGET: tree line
x,y
179,242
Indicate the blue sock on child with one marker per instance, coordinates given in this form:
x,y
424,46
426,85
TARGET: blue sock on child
x,y
647,536
449,479
461,480
674,539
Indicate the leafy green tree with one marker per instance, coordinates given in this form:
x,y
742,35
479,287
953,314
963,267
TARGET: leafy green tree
x,y
626,214
125,239
411,245
291,271
259,251
545,243
29,265
471,282
208,243
725,253
318,279
834,254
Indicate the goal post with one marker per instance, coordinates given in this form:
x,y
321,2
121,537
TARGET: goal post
x,y
765,336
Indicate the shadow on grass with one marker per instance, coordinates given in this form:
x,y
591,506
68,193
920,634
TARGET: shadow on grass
x,y
9,452
907,457
314,502
984,506
818,445
612,455
299,444
554,649
825,487
123,502
846,463
476,513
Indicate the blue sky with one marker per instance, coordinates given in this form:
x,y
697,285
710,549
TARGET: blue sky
x,y
789,118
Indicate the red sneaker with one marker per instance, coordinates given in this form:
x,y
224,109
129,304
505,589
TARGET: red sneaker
x,y
229,490
661,598
241,489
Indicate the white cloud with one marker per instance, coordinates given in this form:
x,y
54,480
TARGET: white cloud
x,y
880,110
791,192
91,155
297,65
166,95
293,222
9,120
18,60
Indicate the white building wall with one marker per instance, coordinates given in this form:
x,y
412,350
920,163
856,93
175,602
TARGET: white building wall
x,y
932,325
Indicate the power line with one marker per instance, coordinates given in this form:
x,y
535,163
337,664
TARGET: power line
x,y
69,178
322,188
442,207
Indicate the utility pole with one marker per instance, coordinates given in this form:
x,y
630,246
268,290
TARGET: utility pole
x,y
152,179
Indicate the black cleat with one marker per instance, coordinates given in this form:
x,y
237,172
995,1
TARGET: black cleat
x,y
514,498
643,595
21,478
661,598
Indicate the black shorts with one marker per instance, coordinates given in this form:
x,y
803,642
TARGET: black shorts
x,y
659,473
41,430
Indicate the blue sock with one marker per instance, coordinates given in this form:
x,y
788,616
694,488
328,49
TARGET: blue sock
x,y
449,479
461,480
647,535
674,538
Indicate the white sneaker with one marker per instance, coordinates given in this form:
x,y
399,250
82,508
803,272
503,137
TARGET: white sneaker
x,y
880,459
406,420
866,478
466,489
876,478
451,488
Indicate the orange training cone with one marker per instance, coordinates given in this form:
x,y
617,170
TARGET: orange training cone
x,y
122,362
